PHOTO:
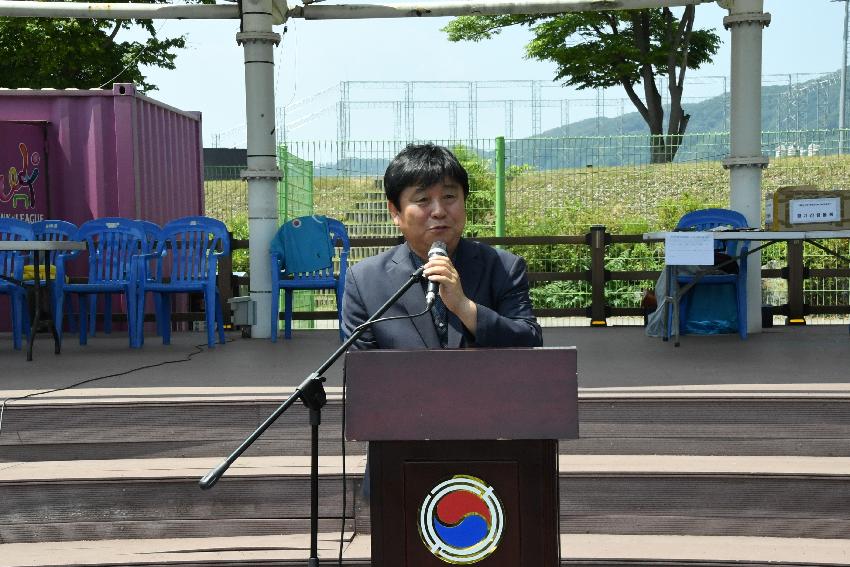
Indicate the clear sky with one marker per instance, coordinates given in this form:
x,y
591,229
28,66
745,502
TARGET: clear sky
x,y
805,36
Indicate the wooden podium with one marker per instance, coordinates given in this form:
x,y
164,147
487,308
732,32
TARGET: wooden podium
x,y
463,452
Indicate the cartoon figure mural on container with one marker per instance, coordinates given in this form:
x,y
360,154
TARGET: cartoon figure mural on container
x,y
20,188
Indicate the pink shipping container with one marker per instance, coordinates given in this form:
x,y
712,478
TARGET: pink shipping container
x,y
107,153
77,155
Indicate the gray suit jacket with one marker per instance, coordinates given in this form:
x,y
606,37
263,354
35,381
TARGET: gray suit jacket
x,y
494,279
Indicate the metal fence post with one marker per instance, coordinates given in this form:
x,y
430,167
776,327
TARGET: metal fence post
x,y
310,186
795,273
598,311
283,197
500,186
225,283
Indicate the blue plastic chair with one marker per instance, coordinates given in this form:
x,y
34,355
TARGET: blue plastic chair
x,y
153,233
54,231
57,231
289,280
12,266
114,248
706,219
186,261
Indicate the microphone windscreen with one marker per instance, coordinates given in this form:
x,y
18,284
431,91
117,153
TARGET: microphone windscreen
x,y
437,249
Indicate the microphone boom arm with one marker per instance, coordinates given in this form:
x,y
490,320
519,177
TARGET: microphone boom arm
x,y
310,391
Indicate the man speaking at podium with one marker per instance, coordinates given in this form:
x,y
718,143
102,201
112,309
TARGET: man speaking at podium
x,y
483,292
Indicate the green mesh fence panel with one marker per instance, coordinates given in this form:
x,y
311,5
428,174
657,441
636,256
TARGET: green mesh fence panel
x,y
295,189
226,199
225,193
295,199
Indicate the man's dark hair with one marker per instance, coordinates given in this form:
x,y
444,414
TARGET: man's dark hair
x,y
422,165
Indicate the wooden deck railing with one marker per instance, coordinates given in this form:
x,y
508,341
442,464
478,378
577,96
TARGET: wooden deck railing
x,y
598,240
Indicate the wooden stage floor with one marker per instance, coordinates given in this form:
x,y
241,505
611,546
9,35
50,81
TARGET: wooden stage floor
x,y
607,357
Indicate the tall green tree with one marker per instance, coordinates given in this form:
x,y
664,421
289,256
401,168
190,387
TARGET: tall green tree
x,y
606,49
82,53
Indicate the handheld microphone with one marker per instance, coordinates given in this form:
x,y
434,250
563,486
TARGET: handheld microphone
x,y
437,249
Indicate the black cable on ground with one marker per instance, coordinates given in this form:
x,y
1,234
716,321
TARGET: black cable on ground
x,y
198,349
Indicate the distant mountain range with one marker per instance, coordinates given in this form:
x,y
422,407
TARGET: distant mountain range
x,y
808,105
804,107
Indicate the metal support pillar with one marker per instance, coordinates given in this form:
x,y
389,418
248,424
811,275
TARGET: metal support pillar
x,y
745,21
258,42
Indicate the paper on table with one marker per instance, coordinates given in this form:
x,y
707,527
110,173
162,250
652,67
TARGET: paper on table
x,y
689,248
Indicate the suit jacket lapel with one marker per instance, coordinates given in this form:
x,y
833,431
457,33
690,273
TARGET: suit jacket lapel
x,y
469,267
413,301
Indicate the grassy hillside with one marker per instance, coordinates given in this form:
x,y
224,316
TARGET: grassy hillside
x,y
567,201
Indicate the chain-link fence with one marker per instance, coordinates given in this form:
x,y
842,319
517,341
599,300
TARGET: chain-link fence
x,y
225,193
562,186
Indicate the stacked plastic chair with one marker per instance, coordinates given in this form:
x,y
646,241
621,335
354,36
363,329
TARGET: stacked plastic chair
x,y
114,248
57,231
186,259
152,236
707,219
12,270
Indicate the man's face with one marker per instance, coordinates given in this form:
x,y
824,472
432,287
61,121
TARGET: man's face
x,y
428,214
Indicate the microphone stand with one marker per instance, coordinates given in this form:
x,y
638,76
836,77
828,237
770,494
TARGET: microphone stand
x,y
312,393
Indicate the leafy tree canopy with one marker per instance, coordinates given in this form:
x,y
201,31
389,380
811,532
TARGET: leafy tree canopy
x,y
82,53
606,49
592,49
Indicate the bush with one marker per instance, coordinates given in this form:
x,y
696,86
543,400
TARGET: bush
x,y
238,226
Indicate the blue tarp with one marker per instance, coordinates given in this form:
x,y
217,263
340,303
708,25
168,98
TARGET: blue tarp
x,y
712,310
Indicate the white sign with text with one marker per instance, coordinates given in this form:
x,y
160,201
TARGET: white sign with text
x,y
805,211
689,248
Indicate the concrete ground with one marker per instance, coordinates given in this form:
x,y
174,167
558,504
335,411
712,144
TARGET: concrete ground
x,y
608,357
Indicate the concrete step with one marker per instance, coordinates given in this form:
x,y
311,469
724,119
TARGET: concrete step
x,y
372,228
803,420
289,550
379,216
800,497
376,205
736,419
376,195
126,423
363,253
160,498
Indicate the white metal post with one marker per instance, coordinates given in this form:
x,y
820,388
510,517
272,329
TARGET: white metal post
x,y
258,42
842,101
745,20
